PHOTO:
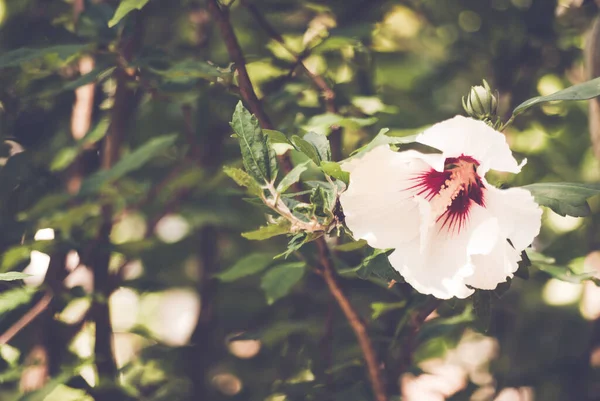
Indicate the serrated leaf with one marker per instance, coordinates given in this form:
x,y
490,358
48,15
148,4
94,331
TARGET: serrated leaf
x,y
17,57
12,276
258,157
129,163
125,7
243,179
280,280
292,177
333,169
246,266
564,198
266,232
583,91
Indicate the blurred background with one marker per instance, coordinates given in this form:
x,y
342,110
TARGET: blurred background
x,y
124,248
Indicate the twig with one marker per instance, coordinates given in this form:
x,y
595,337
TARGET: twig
x,y
415,323
247,93
318,81
359,328
249,96
26,319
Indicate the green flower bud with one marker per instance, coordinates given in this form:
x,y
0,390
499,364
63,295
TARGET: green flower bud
x,y
481,103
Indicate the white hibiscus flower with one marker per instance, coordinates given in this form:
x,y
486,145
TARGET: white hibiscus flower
x,y
449,227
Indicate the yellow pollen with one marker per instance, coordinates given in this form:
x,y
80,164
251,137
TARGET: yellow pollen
x,y
463,175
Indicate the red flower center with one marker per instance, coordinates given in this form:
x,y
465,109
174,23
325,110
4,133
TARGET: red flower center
x,y
451,192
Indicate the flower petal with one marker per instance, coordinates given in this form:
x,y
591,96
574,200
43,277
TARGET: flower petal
x,y
520,218
440,265
460,136
493,268
379,205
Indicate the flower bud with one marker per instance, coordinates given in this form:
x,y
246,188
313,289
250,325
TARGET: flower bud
x,y
481,103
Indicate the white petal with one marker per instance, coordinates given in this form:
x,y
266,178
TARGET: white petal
x,y
442,265
520,218
493,268
378,205
462,136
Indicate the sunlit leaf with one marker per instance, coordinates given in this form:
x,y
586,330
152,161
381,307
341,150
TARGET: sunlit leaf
x,y
280,280
334,170
12,276
292,177
246,266
14,298
583,91
268,231
243,179
564,198
259,158
125,7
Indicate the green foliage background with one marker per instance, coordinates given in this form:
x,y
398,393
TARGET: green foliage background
x,y
162,225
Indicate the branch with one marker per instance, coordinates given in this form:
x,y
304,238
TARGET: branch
x,y
318,81
221,15
125,100
366,346
247,93
26,319
415,323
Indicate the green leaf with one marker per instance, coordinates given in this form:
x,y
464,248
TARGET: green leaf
x,y
12,276
564,198
271,230
14,298
379,308
305,147
292,177
129,163
333,169
243,179
189,69
280,280
125,7
382,138
377,263
583,91
17,57
97,74
321,145
351,246
246,266
259,158
276,136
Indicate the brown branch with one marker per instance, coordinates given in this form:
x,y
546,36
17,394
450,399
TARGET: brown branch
x,y
358,326
414,326
247,93
318,81
221,15
125,100
26,319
